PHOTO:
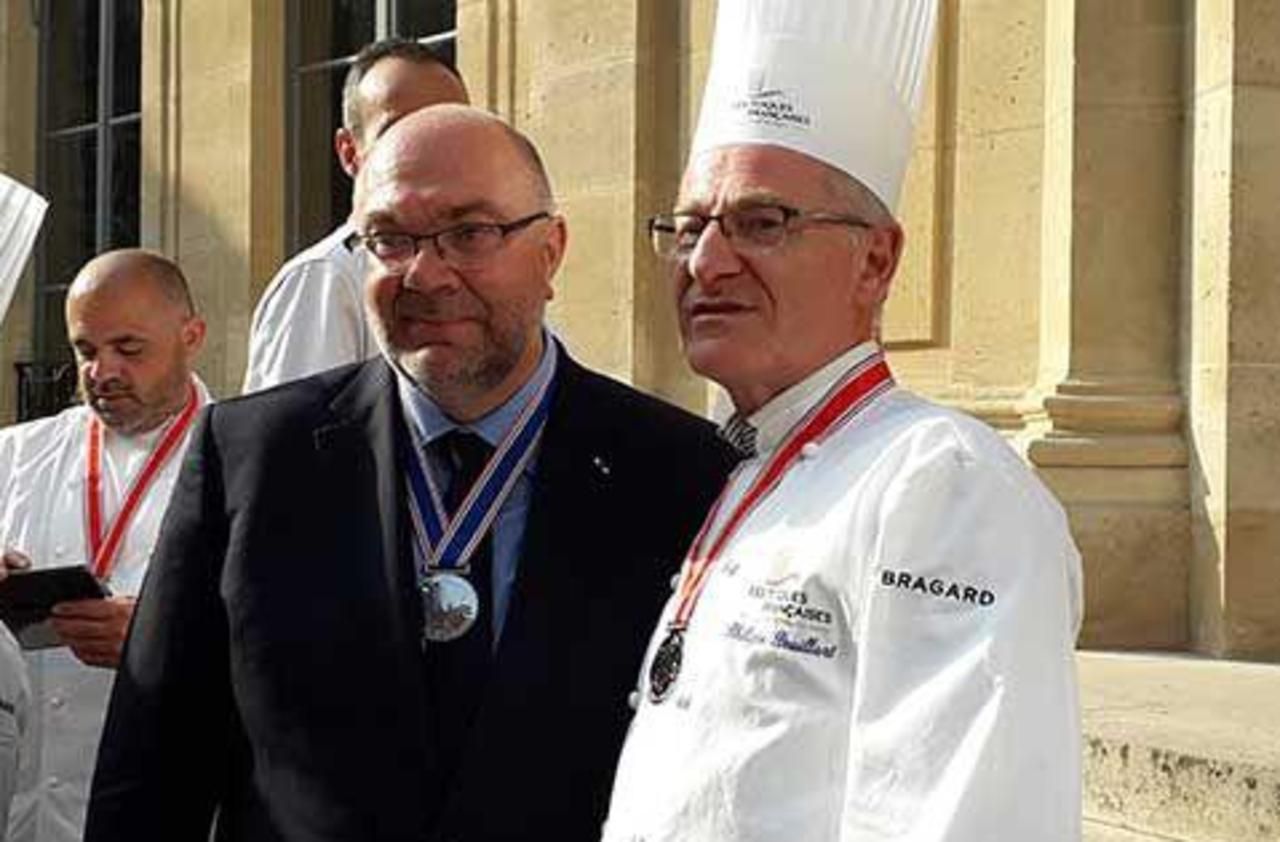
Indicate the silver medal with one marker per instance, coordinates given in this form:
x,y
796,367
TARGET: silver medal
x,y
450,607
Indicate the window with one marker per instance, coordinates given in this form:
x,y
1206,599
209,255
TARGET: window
x,y
89,129
325,35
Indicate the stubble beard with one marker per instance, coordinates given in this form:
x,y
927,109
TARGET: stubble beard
x,y
456,376
141,415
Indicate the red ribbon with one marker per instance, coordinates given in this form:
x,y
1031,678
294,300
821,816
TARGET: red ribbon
x,y
103,548
849,396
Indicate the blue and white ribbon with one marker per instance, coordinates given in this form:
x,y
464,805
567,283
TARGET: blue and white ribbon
x,y
446,543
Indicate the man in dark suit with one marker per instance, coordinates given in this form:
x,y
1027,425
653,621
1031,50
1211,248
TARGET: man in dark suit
x,y
333,643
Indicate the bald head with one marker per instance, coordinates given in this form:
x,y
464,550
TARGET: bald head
x,y
432,135
388,80
461,312
127,269
133,329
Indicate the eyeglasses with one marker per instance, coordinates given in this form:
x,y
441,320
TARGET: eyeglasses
x,y
461,246
752,230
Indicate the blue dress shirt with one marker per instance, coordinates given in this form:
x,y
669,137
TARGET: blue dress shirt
x,y
429,422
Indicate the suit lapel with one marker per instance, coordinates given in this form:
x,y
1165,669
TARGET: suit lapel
x,y
572,482
362,440
572,488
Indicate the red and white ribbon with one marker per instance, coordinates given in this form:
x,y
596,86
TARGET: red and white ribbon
x,y
853,393
104,545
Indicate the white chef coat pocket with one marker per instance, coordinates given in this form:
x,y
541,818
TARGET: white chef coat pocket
x,y
790,636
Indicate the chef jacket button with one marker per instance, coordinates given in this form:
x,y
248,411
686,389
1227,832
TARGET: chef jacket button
x,y
809,450
633,700
56,702
53,781
59,550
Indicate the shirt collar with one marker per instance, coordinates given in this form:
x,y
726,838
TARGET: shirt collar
x,y
776,418
430,422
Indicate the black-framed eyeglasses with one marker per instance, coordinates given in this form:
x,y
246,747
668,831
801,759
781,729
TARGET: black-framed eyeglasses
x,y
461,246
751,229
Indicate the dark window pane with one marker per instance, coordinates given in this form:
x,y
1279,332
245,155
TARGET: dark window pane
x,y
44,388
448,51
322,190
70,165
331,28
71,90
127,79
417,18
51,328
126,154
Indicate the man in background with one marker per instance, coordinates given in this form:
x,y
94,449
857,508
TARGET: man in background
x,y
310,316
90,486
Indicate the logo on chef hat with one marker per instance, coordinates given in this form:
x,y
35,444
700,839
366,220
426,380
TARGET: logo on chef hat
x,y
761,103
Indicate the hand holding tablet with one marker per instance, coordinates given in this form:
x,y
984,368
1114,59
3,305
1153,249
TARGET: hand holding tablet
x,y
27,598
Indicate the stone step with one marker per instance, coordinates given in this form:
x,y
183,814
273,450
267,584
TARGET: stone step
x,y
1180,747
1099,832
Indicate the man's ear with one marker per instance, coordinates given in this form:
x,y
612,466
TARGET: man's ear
x,y
884,250
193,333
344,144
553,248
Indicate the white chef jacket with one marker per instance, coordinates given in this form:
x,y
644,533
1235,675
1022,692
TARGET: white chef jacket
x,y
311,316
42,477
884,651
15,710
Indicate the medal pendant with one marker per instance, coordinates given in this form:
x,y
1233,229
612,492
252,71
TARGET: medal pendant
x,y
450,607
665,668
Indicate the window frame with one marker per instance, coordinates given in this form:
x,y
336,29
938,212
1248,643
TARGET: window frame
x,y
46,383
44,347
386,24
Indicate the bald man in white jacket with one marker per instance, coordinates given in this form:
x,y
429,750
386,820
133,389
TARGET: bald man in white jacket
x,y
135,334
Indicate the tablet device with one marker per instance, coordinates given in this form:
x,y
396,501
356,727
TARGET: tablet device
x,y
27,598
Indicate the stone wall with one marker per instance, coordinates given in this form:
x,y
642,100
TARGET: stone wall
x,y
213,160
18,51
1231,371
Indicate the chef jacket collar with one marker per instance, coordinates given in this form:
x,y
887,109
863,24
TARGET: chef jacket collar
x,y
776,418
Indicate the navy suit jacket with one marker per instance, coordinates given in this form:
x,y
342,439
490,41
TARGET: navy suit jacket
x,y
273,676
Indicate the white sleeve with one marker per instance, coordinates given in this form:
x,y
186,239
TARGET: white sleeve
x,y
15,704
310,319
8,457
965,723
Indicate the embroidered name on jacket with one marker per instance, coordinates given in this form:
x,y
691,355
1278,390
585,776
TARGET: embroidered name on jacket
x,y
937,588
787,618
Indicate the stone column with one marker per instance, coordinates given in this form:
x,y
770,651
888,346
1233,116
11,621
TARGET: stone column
x,y
213,159
962,321
1232,368
601,89
1112,446
19,48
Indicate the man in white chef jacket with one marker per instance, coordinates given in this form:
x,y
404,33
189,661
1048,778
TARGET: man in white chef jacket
x,y
311,317
64,483
873,637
